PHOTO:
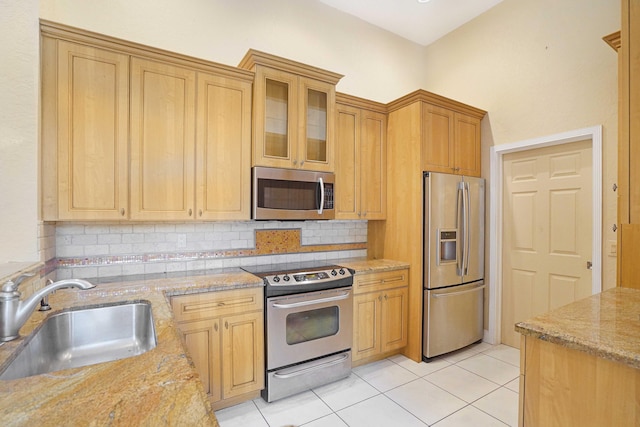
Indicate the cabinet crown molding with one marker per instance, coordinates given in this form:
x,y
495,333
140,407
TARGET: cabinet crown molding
x,y
613,40
437,100
254,58
59,31
366,104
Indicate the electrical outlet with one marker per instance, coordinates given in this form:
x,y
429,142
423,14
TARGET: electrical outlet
x,y
613,248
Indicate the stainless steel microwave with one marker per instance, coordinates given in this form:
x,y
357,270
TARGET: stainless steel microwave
x,y
289,194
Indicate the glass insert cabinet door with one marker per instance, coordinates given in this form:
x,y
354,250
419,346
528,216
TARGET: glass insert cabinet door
x,y
293,123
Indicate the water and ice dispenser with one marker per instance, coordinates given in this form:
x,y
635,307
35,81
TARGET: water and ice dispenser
x,y
447,244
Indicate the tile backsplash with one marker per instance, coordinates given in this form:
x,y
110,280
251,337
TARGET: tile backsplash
x,y
105,250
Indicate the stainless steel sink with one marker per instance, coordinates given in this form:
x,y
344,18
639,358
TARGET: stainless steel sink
x,y
84,336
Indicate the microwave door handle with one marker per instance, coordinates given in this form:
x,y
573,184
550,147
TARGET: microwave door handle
x,y
321,182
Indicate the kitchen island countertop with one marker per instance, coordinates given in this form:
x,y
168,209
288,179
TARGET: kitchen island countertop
x,y
605,325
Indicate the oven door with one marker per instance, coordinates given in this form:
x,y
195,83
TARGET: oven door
x,y
305,326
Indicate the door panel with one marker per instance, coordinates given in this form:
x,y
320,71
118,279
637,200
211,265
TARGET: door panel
x,y
547,220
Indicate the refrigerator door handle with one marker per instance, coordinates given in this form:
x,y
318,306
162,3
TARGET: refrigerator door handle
x,y
467,228
452,294
460,220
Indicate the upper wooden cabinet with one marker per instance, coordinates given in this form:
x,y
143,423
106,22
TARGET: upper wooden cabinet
x,y
129,132
451,141
223,148
361,133
293,113
84,146
162,141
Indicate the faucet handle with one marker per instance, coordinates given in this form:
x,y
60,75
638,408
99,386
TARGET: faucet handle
x,y
12,285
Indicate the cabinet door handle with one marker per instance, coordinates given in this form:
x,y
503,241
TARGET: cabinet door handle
x,y
226,324
122,211
200,212
190,212
215,327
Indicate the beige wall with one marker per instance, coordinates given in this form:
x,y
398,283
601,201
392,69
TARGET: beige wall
x,y
18,130
539,67
376,64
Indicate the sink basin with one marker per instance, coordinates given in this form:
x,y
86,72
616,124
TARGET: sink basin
x,y
84,336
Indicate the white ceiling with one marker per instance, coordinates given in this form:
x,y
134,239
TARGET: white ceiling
x,y
422,23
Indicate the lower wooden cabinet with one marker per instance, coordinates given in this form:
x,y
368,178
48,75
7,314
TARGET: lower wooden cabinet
x,y
562,386
380,312
224,334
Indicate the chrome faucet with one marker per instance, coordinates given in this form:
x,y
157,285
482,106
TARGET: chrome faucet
x,y
14,313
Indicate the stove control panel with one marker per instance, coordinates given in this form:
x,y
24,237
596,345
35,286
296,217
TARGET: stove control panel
x,y
307,277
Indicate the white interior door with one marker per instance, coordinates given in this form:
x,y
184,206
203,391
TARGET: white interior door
x,y
547,239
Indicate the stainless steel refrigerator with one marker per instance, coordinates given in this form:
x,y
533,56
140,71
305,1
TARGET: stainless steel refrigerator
x,y
453,262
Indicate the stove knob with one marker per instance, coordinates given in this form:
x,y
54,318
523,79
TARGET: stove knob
x,y
286,278
276,279
333,272
342,271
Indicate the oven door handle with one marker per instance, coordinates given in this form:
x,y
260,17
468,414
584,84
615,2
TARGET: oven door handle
x,y
313,301
312,368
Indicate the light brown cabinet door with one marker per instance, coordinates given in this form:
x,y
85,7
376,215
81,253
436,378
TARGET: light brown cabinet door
x,y
466,148
450,141
316,115
92,132
395,316
437,136
347,194
361,185
242,354
275,131
373,165
203,343
293,121
366,325
223,150
162,141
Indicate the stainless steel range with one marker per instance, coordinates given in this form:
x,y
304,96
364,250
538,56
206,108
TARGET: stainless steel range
x,y
309,325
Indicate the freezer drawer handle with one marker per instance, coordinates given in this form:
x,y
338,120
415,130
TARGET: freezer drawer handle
x,y
312,368
313,301
458,293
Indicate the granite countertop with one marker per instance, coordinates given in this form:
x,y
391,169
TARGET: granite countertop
x,y
159,387
363,265
606,325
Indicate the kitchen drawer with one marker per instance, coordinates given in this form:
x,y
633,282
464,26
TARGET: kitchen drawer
x,y
371,282
213,304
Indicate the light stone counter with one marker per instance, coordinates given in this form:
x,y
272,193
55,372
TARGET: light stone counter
x,y
606,325
157,388
363,265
